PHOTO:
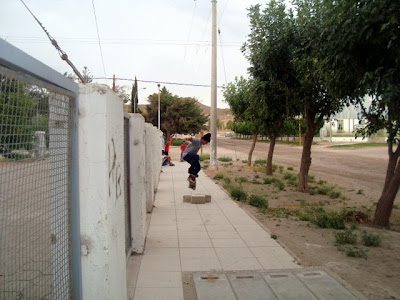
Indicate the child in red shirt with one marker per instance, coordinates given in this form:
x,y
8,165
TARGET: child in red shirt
x,y
183,147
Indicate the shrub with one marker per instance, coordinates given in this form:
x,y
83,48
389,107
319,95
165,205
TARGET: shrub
x,y
274,236
204,157
238,194
371,239
345,237
227,180
260,162
256,176
218,176
241,179
330,220
290,168
244,161
258,201
334,194
311,178
354,251
225,159
279,184
267,180
255,181
177,142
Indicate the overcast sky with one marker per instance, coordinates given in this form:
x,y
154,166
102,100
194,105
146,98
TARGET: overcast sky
x,y
154,40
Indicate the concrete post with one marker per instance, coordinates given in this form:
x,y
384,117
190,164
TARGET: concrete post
x,y
101,159
137,181
149,163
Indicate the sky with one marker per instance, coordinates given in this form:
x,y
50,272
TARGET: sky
x,y
158,41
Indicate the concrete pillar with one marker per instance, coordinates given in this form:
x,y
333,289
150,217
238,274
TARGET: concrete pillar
x,y
149,163
137,181
101,159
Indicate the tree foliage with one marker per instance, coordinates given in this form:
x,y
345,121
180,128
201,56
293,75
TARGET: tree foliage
x,y
364,56
178,115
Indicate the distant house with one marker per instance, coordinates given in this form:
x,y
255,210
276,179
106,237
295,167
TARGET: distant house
x,y
346,121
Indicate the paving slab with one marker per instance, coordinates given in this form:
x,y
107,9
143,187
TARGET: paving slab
x,y
187,244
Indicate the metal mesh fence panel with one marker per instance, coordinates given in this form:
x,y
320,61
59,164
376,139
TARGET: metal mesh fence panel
x,y
128,238
35,260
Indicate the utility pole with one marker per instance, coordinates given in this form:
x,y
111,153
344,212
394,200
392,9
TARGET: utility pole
x,y
213,117
159,92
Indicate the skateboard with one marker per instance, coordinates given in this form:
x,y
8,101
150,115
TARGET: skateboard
x,y
192,182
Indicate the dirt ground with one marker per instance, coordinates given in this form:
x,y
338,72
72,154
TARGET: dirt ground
x,y
357,174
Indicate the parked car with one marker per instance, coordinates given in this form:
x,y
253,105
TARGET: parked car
x,y
228,134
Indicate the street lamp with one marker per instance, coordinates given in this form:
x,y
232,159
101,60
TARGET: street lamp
x,y
158,106
134,100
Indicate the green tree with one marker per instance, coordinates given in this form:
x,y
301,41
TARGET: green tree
x,y
178,115
241,97
268,49
23,110
364,51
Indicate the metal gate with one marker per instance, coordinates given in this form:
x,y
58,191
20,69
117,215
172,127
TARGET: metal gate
x,y
35,187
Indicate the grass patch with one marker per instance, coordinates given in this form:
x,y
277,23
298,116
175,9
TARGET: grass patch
x,y
238,194
258,201
225,159
218,176
290,168
354,251
260,162
274,236
371,239
345,237
204,157
241,179
359,145
227,180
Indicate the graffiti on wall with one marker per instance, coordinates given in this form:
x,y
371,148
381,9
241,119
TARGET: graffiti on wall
x,y
114,172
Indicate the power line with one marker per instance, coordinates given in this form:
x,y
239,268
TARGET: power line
x,y
156,81
222,54
98,37
139,42
191,24
62,54
220,17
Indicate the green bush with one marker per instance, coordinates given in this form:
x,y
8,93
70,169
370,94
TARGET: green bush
x,y
258,201
239,194
334,194
290,168
177,142
241,179
345,237
260,162
218,176
227,180
279,184
225,159
267,180
274,236
371,239
204,157
354,251
330,220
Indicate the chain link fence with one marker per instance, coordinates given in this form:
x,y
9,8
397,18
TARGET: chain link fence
x,y
35,157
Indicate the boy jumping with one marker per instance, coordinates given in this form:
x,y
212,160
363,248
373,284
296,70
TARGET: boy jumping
x,y
190,155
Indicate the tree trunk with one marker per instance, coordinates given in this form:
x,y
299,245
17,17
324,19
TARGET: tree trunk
x,y
392,184
252,149
302,185
270,154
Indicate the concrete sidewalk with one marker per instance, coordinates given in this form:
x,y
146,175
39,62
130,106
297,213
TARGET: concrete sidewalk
x,y
217,238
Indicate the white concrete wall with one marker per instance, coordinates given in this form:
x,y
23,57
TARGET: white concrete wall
x,y
137,173
153,163
101,193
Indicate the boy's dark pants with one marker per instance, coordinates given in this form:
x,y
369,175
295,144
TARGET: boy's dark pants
x,y
193,160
